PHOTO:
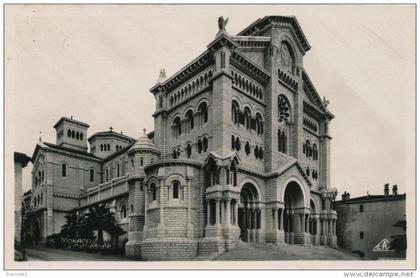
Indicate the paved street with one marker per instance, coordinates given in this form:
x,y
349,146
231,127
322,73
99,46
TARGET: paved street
x,y
48,254
260,252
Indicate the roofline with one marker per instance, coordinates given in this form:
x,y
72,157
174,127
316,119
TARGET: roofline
x,y
295,25
166,84
113,134
66,150
22,158
62,119
376,198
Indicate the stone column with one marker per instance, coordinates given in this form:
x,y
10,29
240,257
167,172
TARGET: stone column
x,y
307,222
302,222
317,225
222,212
161,229
189,224
217,212
281,219
208,213
275,224
146,193
227,217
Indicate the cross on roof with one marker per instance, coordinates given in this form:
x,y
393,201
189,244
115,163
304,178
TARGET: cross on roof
x,y
144,131
111,128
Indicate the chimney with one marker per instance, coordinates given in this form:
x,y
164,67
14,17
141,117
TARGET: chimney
x,y
386,189
395,190
345,196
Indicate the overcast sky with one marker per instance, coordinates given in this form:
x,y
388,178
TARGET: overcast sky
x,y
97,64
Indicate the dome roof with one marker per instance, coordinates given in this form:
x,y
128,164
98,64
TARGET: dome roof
x,y
143,144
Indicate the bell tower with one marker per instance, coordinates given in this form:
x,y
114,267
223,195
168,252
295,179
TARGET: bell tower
x,y
72,134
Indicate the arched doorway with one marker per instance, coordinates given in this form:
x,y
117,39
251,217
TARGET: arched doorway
x,y
249,214
294,218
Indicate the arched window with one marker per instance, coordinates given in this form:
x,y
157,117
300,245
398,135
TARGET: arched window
x,y
315,151
109,147
233,142
73,134
235,112
203,111
174,154
205,144
199,146
132,163
238,144
153,191
307,171
247,117
177,126
77,135
190,119
102,147
123,212
283,108
282,141
247,148
106,175
259,123
118,169
69,133
92,175
141,161
188,150
287,57
308,148
261,153
64,170
81,136
256,152
175,189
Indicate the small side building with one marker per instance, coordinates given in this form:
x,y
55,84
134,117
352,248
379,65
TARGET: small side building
x,y
21,160
369,224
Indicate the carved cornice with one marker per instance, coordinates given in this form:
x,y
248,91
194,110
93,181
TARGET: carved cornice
x,y
307,83
257,26
288,80
222,40
201,62
247,66
252,42
65,196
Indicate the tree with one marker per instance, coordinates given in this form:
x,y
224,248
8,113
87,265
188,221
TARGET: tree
x,y
72,227
100,218
115,232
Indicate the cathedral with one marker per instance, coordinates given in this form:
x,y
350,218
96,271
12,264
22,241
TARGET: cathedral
x,y
240,152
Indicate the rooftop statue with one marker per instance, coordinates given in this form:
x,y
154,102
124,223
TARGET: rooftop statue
x,y
222,23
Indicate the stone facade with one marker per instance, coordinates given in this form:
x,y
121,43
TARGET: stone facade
x,y
240,151
367,220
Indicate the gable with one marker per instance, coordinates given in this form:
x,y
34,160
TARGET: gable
x,y
310,93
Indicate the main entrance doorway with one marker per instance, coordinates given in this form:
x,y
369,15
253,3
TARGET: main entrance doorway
x,y
249,213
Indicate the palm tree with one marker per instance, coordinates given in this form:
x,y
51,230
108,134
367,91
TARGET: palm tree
x,y
115,231
99,217
72,227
